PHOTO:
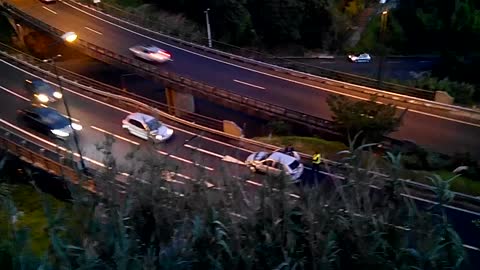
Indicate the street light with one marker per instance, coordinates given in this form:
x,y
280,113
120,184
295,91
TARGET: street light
x,y
209,33
68,37
383,26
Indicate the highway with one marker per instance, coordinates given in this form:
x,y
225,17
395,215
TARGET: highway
x,y
192,157
443,135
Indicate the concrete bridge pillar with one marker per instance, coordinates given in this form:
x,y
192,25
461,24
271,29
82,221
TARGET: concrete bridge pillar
x,y
179,102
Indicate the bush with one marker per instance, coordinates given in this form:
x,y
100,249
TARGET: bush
x,y
463,93
165,226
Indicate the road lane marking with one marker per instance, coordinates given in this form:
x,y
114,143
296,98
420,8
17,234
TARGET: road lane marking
x,y
52,11
94,31
15,94
184,160
249,84
203,151
115,135
253,70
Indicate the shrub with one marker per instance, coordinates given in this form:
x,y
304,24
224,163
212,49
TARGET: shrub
x,y
342,225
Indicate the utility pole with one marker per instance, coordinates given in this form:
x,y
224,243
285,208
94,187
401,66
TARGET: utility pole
x,y
67,109
383,26
209,33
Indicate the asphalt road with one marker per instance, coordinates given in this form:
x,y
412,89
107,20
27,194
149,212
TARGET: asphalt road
x,y
191,156
432,132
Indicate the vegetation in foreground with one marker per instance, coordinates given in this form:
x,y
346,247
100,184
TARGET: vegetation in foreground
x,y
158,225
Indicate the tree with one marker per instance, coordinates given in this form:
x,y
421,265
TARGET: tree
x,y
374,120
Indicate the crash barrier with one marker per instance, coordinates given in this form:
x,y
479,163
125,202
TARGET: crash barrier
x,y
44,159
252,145
173,81
362,87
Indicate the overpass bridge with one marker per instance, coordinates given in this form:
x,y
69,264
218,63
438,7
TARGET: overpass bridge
x,y
280,93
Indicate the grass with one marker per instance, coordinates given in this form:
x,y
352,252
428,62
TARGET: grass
x,y
30,203
307,145
461,184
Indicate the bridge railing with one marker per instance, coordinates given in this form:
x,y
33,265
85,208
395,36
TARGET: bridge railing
x,y
43,158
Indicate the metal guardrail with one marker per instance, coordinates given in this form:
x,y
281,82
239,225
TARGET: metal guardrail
x,y
43,158
173,81
402,98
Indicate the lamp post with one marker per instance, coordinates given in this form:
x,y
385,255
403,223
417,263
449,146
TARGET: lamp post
x,y
383,26
209,33
67,37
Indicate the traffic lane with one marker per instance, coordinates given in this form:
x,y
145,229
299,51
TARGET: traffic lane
x,y
243,82
439,134
104,118
88,140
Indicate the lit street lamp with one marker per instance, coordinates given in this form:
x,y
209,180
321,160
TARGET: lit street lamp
x,y
67,37
209,33
383,26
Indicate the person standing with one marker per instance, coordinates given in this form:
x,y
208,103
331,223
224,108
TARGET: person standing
x,y
316,159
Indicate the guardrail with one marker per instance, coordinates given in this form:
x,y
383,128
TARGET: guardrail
x,y
173,81
342,82
135,105
44,159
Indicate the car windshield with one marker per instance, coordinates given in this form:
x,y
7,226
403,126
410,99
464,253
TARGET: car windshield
x,y
153,124
294,165
44,88
153,49
54,119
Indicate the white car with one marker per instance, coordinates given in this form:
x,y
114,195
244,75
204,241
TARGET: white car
x,y
361,58
151,53
274,164
146,127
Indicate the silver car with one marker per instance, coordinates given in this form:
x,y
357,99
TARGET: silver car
x,y
274,164
146,127
151,53
361,58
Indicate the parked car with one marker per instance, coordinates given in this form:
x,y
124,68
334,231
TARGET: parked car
x,y
274,164
146,127
48,121
151,53
42,91
361,58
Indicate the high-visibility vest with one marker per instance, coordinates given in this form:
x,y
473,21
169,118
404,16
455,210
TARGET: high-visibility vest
x,y
317,158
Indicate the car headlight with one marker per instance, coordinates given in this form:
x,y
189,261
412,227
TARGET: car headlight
x,y
60,133
57,94
42,98
159,137
76,126
169,131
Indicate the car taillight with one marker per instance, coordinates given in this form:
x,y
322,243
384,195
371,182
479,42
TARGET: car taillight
x,y
166,54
